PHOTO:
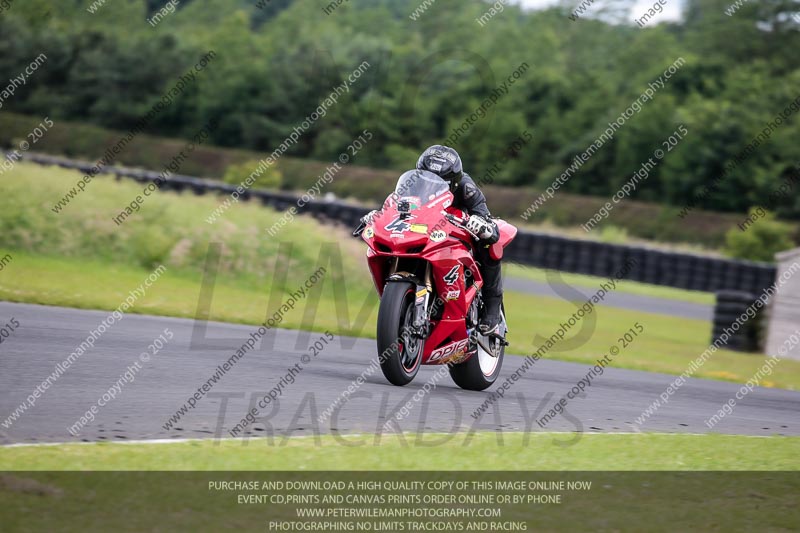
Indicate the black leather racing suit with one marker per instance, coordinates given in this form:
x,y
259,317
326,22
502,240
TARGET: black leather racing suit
x,y
469,198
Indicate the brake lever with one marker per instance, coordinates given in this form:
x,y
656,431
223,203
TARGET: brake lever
x,y
359,230
456,222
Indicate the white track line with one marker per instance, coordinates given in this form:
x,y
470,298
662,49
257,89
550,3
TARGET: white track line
x,y
301,437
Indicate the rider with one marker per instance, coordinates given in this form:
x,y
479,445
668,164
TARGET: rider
x,y
446,163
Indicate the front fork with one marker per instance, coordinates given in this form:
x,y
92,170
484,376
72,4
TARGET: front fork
x,y
421,323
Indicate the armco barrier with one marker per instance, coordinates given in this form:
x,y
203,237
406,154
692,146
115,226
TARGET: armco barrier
x,y
657,267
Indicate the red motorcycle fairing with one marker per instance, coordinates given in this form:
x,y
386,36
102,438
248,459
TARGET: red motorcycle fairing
x,y
421,261
426,234
507,234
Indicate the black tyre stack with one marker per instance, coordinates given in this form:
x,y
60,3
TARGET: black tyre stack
x,y
730,306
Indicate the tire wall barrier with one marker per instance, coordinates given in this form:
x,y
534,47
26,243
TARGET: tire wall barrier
x,y
657,267
743,336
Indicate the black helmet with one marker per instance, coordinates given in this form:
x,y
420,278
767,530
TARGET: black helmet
x,y
442,161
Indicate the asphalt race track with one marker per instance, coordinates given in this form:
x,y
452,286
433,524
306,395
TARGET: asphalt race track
x,y
621,300
47,335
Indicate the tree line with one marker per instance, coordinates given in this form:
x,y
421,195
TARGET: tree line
x,y
443,76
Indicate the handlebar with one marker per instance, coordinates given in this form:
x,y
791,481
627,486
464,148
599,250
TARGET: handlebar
x,y
460,223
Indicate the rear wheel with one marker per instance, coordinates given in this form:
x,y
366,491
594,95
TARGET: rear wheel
x,y
399,351
480,371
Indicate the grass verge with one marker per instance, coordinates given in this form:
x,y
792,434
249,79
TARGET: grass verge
x,y
454,452
350,309
95,284
81,258
747,483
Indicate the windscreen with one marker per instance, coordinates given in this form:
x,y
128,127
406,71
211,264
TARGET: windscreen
x,y
420,186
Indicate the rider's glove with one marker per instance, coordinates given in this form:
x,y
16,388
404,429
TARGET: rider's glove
x,y
480,227
367,219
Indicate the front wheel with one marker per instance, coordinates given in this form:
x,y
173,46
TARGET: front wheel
x,y
400,352
480,371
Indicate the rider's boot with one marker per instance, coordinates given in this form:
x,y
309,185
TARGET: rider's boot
x,y
490,321
492,298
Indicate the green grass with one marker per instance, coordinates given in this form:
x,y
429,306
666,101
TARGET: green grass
x,y
457,452
634,221
94,284
638,482
667,345
81,259
631,287
169,229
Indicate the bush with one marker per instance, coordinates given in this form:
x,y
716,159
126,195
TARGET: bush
x,y
759,237
613,235
238,173
152,246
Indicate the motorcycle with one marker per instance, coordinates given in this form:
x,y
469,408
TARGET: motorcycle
x,y
420,256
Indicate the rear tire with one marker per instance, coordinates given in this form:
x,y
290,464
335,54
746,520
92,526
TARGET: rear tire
x,y
399,354
481,370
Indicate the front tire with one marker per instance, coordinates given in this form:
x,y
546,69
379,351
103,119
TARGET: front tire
x,y
481,370
400,353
